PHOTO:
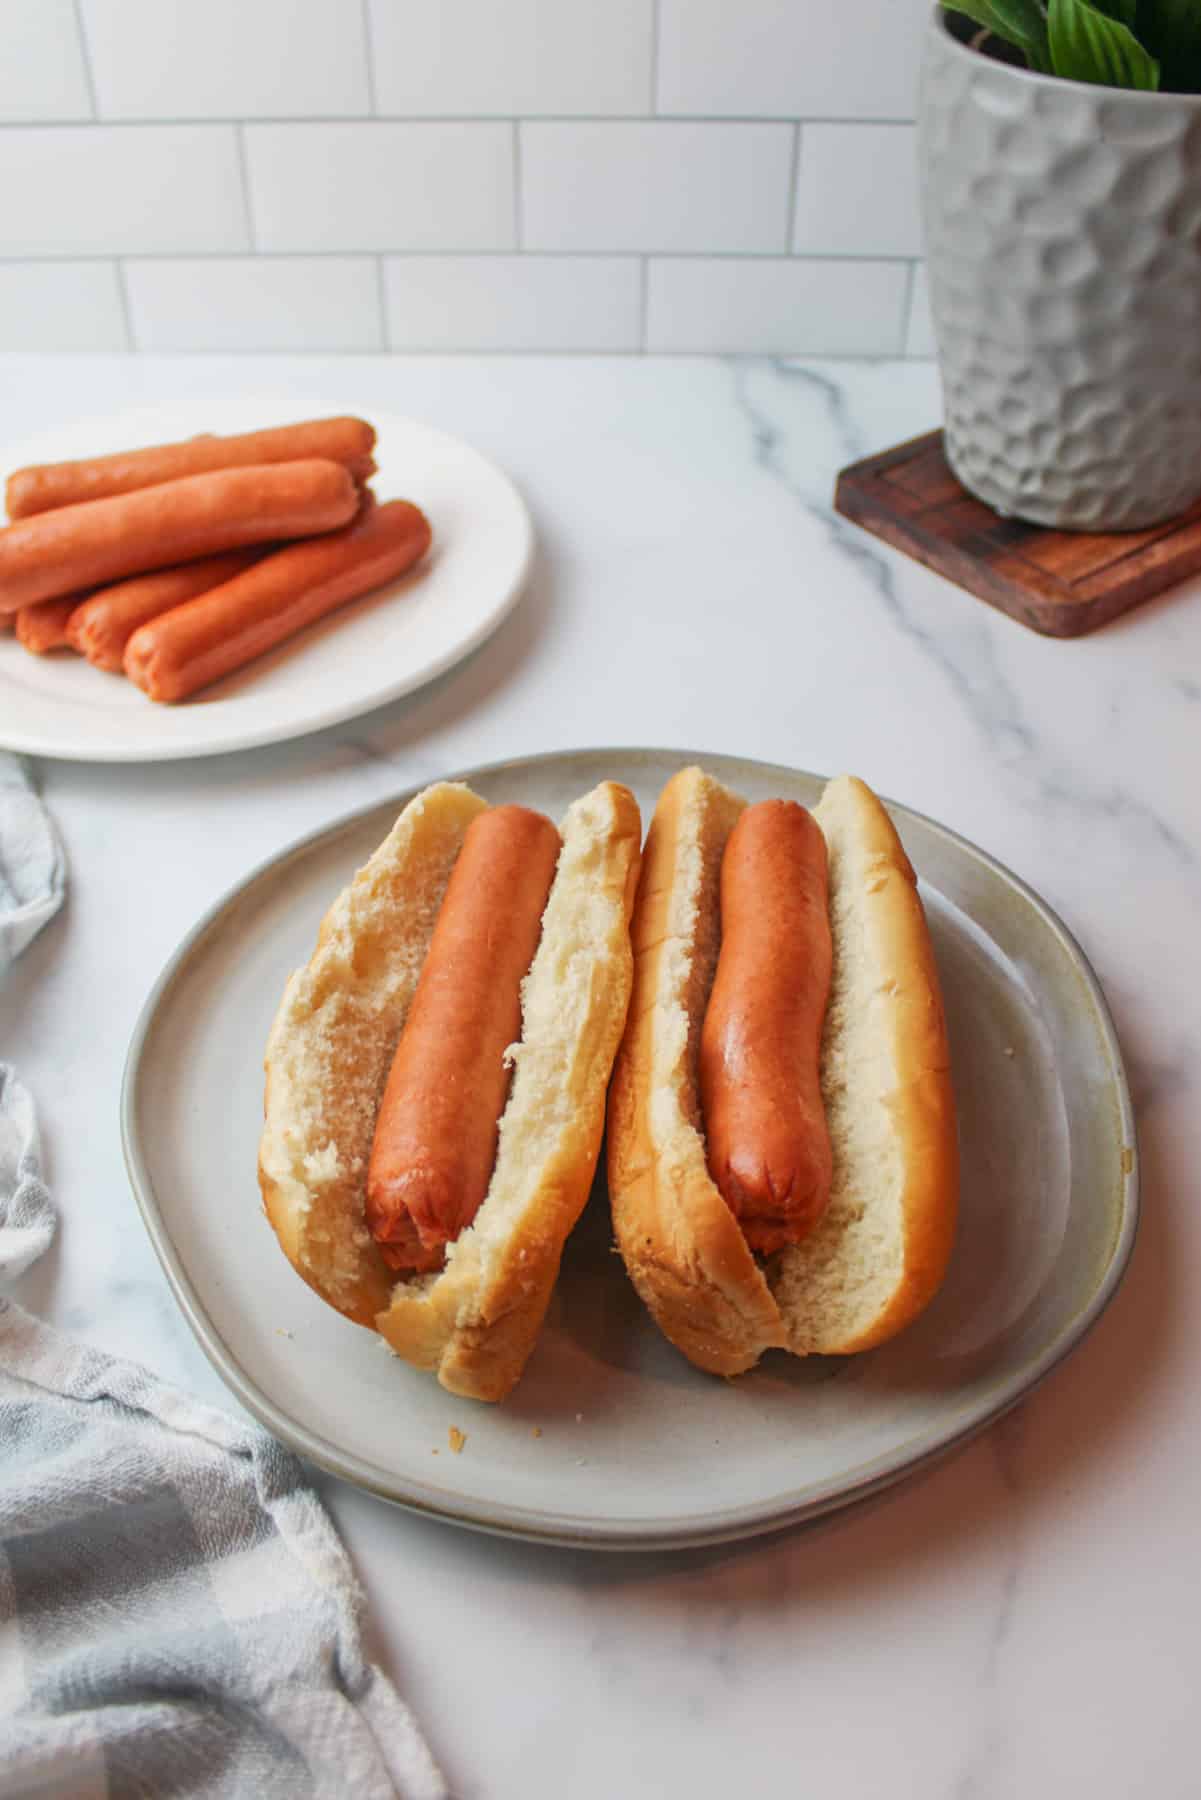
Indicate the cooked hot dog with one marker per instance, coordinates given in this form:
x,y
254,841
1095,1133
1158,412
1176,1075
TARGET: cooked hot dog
x,y
44,486
436,1132
43,626
768,1145
206,638
99,540
102,625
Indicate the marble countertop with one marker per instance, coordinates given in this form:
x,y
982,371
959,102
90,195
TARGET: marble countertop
x,y
1018,1621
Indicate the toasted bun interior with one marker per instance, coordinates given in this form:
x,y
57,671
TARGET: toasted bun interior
x,y
878,1256
331,1046
881,1250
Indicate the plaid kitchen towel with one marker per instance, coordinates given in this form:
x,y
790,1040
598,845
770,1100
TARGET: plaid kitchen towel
x,y
177,1614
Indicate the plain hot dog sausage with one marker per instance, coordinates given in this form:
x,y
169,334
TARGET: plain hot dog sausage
x,y
768,1143
198,642
101,626
436,1131
44,626
100,540
44,486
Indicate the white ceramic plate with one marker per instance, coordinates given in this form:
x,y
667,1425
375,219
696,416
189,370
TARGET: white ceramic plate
x,y
369,652
611,1438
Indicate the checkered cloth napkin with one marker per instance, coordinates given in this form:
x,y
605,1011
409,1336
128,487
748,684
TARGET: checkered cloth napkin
x,y
177,1614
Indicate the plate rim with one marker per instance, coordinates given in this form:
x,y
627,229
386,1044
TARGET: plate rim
x,y
564,1530
249,737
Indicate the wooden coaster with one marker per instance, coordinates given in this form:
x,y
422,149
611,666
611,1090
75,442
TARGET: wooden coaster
x,y
1062,583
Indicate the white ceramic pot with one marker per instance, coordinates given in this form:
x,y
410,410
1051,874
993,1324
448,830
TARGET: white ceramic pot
x,y
1063,238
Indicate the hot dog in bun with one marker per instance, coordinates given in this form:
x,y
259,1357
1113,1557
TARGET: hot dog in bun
x,y
436,1074
782,1154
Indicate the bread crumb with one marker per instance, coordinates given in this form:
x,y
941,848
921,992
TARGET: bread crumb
x,y
1127,1159
537,1431
433,1453
280,1332
579,1418
1009,1050
581,1462
456,1438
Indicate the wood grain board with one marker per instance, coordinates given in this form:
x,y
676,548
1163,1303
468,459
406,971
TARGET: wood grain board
x,y
1060,583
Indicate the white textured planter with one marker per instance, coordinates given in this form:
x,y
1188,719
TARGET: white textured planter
x,y
1063,236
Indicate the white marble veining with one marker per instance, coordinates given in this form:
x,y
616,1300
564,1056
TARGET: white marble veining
x,y
1019,1621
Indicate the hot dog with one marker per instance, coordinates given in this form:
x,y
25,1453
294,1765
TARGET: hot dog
x,y
877,1253
768,1145
197,643
43,627
101,626
431,1159
342,1026
99,540
42,487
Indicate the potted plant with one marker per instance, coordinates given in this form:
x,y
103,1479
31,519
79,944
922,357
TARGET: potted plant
x,y
1060,144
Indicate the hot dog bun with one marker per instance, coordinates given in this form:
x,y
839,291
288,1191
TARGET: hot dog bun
x,y
328,1057
879,1253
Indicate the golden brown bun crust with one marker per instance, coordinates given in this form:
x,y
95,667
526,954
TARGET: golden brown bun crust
x,y
884,1061
328,1057
684,1249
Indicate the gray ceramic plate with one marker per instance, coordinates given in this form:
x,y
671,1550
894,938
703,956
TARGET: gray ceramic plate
x,y
611,1439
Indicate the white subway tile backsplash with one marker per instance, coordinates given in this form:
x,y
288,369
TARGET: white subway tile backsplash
x,y
255,303
382,186
222,59
784,306
820,59
607,175
655,185
857,191
514,303
110,189
42,73
919,340
61,306
520,57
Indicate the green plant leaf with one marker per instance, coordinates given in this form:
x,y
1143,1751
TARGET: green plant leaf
x,y
1019,22
980,12
1086,45
1024,21
1171,30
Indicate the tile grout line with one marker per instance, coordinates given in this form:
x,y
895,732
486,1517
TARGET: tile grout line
x,y
652,100
518,201
86,53
131,336
68,123
441,350
794,192
381,290
751,257
369,54
244,175
907,310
